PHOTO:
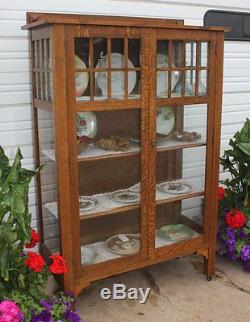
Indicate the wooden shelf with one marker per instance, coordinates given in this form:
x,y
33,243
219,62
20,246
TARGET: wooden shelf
x,y
99,252
93,153
118,208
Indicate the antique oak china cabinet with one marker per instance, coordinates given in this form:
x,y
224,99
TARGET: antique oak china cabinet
x,y
127,120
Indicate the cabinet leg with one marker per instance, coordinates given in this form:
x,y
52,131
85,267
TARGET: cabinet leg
x,y
209,265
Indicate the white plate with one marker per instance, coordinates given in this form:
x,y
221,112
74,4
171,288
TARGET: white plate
x,y
81,78
162,76
175,187
125,196
87,203
136,187
117,78
123,244
162,60
86,124
165,120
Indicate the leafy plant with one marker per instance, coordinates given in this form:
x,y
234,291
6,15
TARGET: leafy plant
x,y
15,226
236,160
234,201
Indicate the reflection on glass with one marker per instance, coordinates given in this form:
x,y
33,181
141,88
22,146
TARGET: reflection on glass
x,y
177,80
162,84
117,84
191,54
202,88
108,185
162,54
82,50
99,51
117,50
82,83
134,92
180,190
204,54
190,83
177,51
180,220
48,180
178,126
101,84
134,51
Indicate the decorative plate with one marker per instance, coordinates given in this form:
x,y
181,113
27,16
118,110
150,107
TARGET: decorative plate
x,y
175,187
125,196
162,60
123,244
175,233
81,78
87,203
117,78
165,120
162,76
136,187
86,124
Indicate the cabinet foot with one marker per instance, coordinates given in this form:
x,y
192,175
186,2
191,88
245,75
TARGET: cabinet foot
x,y
209,278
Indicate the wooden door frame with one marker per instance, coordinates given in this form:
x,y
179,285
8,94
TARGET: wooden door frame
x,y
211,150
103,269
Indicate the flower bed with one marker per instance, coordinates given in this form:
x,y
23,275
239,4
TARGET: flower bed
x,y
24,273
234,200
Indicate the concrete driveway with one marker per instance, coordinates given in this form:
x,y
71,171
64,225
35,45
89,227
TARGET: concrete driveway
x,y
179,293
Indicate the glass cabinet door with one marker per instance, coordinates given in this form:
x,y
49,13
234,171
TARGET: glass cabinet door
x,y
181,130
108,133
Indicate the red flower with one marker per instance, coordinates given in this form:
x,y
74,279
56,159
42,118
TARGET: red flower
x,y
221,193
35,262
59,265
235,218
34,239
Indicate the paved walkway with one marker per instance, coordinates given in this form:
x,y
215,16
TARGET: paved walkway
x,y
179,293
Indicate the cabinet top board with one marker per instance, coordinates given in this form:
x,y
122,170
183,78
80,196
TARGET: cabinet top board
x,y
37,19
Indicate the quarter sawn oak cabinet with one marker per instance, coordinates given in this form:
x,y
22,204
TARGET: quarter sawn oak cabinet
x,y
127,120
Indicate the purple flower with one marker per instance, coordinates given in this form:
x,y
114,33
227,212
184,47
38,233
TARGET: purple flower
x,y
44,316
72,316
231,240
46,304
245,253
243,235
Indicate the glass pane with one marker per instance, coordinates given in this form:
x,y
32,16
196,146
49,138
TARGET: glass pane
x,y
190,83
134,84
109,186
134,52
162,54
117,53
118,84
82,84
179,220
48,181
177,126
100,53
177,51
190,54
42,66
176,83
180,172
204,54
162,84
101,85
82,50
202,90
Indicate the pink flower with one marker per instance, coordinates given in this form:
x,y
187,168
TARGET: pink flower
x,y
10,312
